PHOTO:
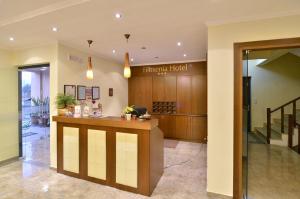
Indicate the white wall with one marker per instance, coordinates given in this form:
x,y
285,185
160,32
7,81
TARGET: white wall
x,y
9,141
107,75
220,90
273,85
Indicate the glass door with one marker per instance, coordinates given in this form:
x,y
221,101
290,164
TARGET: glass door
x,y
34,101
246,119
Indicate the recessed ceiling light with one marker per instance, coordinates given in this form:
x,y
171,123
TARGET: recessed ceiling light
x,y
178,43
11,39
131,59
54,29
156,57
143,48
184,55
118,15
114,51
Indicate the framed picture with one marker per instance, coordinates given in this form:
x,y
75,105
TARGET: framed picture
x,y
88,93
95,92
70,90
81,92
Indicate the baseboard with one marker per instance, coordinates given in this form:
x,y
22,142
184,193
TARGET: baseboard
x,y
53,168
220,196
8,161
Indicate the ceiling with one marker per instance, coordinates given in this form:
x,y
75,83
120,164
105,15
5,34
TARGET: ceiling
x,y
156,24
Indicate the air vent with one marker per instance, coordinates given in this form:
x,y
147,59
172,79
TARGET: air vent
x,y
75,58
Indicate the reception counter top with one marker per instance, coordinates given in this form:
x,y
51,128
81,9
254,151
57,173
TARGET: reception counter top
x,y
127,155
109,122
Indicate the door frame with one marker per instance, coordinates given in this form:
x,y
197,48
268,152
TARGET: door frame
x,y
20,69
238,100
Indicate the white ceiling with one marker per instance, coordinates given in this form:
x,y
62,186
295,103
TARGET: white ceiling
x,y
156,24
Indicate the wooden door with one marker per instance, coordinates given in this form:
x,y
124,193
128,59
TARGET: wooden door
x,y
167,124
184,84
182,127
158,89
198,129
140,92
170,88
199,94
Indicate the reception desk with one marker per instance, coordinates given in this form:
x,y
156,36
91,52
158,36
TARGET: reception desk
x,y
127,155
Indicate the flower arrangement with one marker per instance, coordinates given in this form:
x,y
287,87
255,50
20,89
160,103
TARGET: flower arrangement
x,y
128,109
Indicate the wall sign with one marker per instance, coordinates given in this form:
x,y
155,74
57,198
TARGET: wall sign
x,y
164,69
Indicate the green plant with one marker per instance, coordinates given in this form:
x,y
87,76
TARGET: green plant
x,y
128,109
63,101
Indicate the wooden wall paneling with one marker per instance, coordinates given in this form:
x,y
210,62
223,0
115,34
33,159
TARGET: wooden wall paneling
x,y
182,127
199,93
158,89
140,92
184,85
198,129
170,87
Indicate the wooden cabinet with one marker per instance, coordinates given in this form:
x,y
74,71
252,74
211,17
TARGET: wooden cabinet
x,y
140,92
184,84
170,89
158,89
199,94
164,89
197,129
182,127
167,124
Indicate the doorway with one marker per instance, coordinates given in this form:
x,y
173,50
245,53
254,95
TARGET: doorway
x,y
34,124
240,188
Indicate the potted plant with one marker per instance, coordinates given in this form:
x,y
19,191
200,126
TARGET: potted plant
x,y
35,115
127,111
63,102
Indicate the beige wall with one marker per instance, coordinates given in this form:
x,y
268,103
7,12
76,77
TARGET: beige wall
x,y
220,90
273,84
107,74
62,71
9,139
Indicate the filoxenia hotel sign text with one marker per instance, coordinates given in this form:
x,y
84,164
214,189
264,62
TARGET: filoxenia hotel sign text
x,y
164,69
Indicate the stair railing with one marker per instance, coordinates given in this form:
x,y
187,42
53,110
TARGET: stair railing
x,y
298,148
281,108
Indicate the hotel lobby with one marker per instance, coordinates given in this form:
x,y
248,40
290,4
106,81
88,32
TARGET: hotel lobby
x,y
136,99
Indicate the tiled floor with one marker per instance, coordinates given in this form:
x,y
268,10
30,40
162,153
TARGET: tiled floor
x,y
274,172
184,178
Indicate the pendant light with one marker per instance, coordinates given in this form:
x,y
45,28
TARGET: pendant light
x,y
127,71
89,72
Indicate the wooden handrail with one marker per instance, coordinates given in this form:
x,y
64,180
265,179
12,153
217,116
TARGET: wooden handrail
x,y
269,117
288,103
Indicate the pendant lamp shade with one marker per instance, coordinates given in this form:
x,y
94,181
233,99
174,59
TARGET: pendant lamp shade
x,y
127,71
89,72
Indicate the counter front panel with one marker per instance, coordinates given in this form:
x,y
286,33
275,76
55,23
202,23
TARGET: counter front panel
x,y
115,156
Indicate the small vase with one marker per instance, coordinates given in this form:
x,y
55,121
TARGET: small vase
x,y
128,116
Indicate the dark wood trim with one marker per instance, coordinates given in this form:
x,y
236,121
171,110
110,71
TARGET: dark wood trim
x,y
238,66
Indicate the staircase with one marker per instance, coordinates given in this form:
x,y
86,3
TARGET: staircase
x,y
278,133
277,137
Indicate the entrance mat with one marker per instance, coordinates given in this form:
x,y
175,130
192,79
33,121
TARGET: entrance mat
x,y
170,143
28,134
